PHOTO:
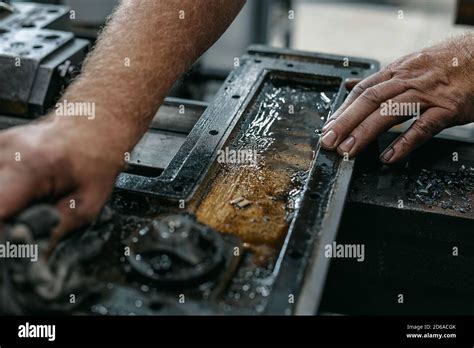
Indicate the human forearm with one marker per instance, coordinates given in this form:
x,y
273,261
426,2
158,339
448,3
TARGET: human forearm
x,y
143,50
73,161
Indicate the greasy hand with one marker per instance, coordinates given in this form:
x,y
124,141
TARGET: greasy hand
x,y
69,166
437,81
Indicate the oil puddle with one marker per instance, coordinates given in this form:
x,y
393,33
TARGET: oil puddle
x,y
256,199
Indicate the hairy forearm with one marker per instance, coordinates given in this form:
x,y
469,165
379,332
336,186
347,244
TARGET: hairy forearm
x,y
144,48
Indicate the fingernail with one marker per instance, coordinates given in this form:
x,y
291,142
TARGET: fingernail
x,y
387,155
326,126
348,144
329,139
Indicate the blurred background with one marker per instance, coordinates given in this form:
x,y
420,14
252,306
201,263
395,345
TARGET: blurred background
x,y
379,29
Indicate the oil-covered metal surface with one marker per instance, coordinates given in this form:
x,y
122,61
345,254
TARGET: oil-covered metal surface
x,y
279,129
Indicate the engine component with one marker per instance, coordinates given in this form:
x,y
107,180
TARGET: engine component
x,y
176,250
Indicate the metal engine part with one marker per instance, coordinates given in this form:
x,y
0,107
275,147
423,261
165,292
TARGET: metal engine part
x,y
176,250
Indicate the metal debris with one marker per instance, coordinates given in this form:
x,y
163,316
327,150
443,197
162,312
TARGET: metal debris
x,y
240,202
453,191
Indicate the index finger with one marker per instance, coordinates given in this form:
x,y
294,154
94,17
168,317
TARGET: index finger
x,y
360,88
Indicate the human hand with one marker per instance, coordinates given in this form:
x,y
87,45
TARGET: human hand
x,y
435,85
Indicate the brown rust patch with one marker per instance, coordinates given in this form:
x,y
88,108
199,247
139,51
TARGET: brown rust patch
x,y
262,222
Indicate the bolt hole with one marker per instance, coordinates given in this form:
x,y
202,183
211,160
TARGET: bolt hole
x,y
37,47
315,195
295,254
51,37
236,96
213,132
289,65
354,72
257,60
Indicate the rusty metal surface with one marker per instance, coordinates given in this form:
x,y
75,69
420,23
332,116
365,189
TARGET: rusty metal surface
x,y
280,129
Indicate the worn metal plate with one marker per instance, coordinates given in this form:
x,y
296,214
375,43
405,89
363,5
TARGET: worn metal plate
x,y
195,176
182,177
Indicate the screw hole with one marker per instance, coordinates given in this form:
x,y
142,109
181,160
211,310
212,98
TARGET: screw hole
x,y
257,60
295,254
51,37
315,195
289,65
236,96
213,132
354,72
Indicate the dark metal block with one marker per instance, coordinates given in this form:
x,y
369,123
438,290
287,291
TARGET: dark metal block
x,y
34,15
38,58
